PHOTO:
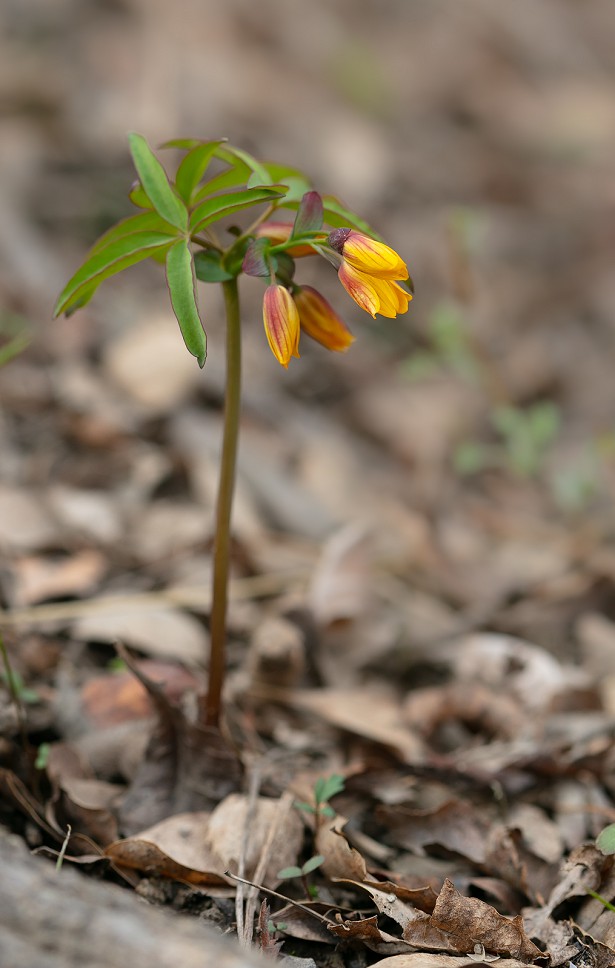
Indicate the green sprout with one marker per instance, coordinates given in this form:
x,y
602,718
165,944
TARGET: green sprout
x,y
524,438
324,789
182,224
288,873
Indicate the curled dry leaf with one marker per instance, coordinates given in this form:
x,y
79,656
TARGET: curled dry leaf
x,y
165,632
341,860
175,848
459,923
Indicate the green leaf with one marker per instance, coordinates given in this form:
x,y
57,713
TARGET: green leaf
x,y
209,268
156,184
324,789
180,279
138,197
311,864
288,872
306,807
216,208
192,168
232,155
109,260
143,222
294,179
605,840
226,179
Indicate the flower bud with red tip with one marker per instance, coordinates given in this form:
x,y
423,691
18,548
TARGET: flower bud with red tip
x,y
281,320
320,321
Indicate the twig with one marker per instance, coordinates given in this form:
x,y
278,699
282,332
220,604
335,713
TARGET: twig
x,y
284,805
281,897
244,926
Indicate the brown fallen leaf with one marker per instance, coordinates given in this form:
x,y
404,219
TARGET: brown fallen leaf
x,y
226,832
38,578
175,848
159,631
187,767
421,959
341,585
456,825
118,697
366,930
459,923
373,714
341,860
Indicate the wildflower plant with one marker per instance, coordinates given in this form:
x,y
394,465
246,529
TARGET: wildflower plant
x,y
178,225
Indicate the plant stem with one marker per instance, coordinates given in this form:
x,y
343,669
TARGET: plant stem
x,y
210,707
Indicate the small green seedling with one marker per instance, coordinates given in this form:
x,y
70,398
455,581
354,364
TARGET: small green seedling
x,y
287,873
524,438
605,841
42,757
324,789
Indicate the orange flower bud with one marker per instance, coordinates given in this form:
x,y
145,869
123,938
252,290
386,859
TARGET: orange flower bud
x,y
281,319
320,321
368,255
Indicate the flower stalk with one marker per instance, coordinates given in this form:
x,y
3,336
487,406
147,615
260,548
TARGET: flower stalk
x,y
211,704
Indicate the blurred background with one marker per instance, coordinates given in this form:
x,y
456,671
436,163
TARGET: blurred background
x,y
476,137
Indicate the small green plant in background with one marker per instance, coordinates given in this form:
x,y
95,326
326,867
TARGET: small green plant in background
x,y
524,438
449,347
179,225
15,335
324,789
288,873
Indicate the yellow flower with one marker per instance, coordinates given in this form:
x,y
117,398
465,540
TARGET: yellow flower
x,y
370,272
369,255
320,321
373,293
281,319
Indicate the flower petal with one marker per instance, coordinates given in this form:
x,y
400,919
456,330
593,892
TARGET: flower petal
x,y
369,255
281,320
360,286
320,321
393,299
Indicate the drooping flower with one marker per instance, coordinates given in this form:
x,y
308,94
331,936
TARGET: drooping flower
x,y
370,272
320,321
368,255
373,293
281,319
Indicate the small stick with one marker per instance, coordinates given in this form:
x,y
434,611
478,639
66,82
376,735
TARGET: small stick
x,y
281,897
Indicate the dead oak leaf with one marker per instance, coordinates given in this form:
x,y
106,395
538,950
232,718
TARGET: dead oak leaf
x,y
341,859
460,923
